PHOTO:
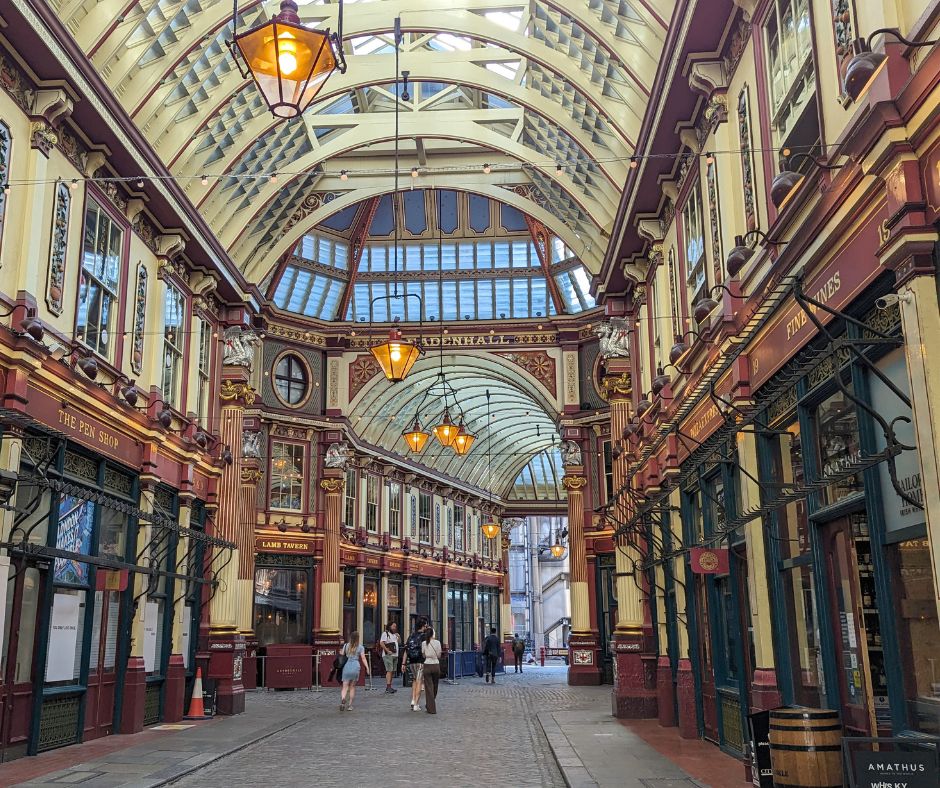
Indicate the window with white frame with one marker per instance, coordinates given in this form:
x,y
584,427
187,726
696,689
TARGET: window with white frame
x,y
424,518
459,526
102,252
394,509
791,77
174,310
373,485
693,236
204,372
349,493
287,476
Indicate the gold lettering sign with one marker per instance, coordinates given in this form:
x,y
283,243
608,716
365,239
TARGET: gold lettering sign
x,y
265,544
799,317
91,433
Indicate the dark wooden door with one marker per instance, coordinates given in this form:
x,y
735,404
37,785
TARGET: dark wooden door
x,y
706,663
17,681
102,673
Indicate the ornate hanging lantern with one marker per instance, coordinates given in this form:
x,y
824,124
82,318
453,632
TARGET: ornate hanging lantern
x,y
446,431
558,549
490,530
289,63
415,437
463,440
396,356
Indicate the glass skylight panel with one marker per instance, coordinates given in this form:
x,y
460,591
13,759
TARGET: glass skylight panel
x,y
367,45
468,300
449,299
412,257
432,301
331,301
560,252
449,257
495,102
520,298
502,254
503,307
568,293
508,19
539,296
412,305
484,255
449,42
431,257
359,304
507,70
520,254
583,283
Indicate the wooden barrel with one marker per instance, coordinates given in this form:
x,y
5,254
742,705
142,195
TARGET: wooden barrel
x,y
806,748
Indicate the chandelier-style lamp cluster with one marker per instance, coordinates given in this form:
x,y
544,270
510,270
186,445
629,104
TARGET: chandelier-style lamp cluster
x,y
289,62
445,430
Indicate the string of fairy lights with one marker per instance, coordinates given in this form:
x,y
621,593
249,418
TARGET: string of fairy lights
x,y
416,172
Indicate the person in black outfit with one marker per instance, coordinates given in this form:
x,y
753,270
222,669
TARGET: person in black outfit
x,y
491,649
518,650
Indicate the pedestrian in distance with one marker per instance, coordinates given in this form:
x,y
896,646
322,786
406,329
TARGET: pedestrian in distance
x,y
390,642
518,650
414,662
491,649
432,650
355,657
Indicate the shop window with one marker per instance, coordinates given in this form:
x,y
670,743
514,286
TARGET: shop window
x,y
287,476
102,252
373,485
394,605
349,498
280,605
394,509
918,632
424,517
693,234
204,372
459,526
349,603
371,612
838,446
291,380
786,469
174,311
791,77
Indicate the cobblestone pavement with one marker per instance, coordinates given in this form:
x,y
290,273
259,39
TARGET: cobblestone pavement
x,y
482,735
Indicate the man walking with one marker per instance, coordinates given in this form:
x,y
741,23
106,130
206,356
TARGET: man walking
x,y
491,649
518,649
390,641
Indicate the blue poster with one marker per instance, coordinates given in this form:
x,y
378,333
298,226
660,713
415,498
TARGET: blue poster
x,y
76,518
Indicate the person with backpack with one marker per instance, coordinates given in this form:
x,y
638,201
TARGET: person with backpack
x,y
351,657
491,649
389,643
414,662
518,650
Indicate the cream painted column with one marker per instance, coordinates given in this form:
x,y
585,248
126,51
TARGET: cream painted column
x,y
249,477
476,616
444,634
405,608
920,320
331,602
182,547
505,616
574,482
383,595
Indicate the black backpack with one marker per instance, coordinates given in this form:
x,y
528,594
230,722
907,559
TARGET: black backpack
x,y
413,647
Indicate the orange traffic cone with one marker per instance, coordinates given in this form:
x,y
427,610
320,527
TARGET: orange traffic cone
x,y
197,710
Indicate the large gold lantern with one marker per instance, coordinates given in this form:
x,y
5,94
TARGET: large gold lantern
x,y
289,63
396,357
463,441
415,437
490,530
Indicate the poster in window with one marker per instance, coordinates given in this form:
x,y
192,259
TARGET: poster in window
x,y
394,595
63,636
76,518
151,618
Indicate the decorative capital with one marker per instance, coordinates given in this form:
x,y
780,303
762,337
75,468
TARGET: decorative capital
x,y
251,476
42,137
229,392
573,482
617,387
333,486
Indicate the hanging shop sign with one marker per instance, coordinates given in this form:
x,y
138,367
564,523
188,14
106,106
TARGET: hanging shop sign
x,y
836,285
709,561
899,513
895,769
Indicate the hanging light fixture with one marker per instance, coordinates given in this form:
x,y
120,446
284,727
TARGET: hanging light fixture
x,y
558,549
396,356
289,62
463,440
865,65
490,528
446,430
415,437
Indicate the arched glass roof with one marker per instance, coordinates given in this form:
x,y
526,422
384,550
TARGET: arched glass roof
x,y
540,479
466,256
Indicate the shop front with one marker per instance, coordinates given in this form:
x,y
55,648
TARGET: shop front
x,y
855,620
426,602
460,629
488,611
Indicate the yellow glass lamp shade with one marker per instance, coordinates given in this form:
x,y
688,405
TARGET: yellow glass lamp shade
x,y
415,437
396,356
463,441
446,431
490,530
289,62
558,550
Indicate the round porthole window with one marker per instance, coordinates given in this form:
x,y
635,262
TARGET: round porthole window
x,y
291,381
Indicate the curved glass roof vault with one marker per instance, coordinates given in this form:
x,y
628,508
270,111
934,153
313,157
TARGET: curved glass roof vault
x,y
521,86
522,417
540,479
465,256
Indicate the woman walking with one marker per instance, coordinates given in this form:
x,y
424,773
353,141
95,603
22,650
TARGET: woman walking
x,y
355,656
432,650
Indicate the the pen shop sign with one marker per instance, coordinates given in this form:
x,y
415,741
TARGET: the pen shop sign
x,y
896,769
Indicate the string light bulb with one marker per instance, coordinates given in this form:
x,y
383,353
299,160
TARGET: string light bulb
x,y
414,172
272,178
204,180
74,184
634,162
558,168
486,169
343,175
